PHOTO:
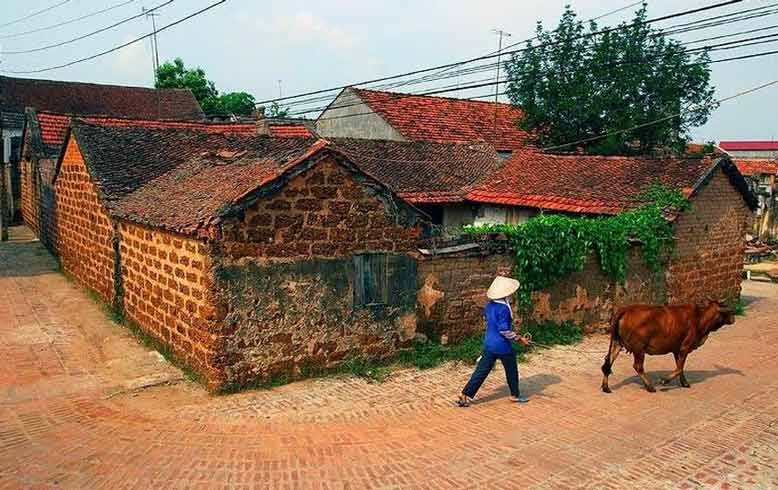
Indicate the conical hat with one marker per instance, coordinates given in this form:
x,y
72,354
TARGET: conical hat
x,y
502,287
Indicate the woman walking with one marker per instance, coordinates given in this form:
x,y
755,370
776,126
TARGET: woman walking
x,y
497,342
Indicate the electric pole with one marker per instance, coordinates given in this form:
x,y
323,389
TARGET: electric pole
x,y
154,42
501,34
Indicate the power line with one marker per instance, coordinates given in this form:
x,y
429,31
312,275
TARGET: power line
x,y
121,46
93,33
54,26
715,47
30,16
665,118
735,17
435,68
370,111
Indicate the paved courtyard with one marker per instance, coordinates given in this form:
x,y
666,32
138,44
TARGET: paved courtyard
x,y
83,406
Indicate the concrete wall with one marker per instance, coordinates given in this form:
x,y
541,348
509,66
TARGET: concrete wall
x,y
348,117
710,245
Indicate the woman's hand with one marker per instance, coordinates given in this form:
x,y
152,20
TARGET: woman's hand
x,y
523,340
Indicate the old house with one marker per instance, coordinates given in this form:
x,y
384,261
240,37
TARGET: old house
x,y
44,135
758,162
707,260
17,94
249,256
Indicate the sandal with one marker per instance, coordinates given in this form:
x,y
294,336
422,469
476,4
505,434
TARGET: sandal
x,y
463,401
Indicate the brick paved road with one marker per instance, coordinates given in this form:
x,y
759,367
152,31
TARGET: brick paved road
x,y
72,414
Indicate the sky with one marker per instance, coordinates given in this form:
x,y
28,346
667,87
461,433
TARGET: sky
x,y
267,47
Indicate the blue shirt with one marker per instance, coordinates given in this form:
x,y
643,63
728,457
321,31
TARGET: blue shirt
x,y
498,319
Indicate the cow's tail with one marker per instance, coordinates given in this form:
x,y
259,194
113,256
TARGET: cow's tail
x,y
606,366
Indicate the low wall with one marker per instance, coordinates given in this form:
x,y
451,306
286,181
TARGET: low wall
x,y
452,293
284,317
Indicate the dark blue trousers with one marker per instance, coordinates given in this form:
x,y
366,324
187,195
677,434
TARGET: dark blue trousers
x,y
485,366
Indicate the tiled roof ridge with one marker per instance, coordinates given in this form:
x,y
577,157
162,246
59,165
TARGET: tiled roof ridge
x,y
83,116
438,97
91,84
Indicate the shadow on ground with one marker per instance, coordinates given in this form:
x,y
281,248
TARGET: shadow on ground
x,y
530,386
692,376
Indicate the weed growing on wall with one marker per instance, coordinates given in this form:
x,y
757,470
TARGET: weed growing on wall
x,y
549,247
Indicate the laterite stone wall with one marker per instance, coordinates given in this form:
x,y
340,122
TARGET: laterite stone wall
x,y
30,196
85,246
167,291
452,293
323,212
710,245
288,270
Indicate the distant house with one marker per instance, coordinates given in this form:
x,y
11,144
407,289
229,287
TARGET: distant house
x,y
77,98
492,172
758,162
750,149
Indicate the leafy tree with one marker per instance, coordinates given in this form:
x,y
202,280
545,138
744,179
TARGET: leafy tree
x,y
241,103
573,86
174,74
278,111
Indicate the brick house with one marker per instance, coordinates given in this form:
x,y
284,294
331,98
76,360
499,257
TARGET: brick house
x,y
249,256
44,136
17,94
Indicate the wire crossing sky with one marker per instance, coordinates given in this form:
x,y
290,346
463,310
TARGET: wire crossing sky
x,y
303,46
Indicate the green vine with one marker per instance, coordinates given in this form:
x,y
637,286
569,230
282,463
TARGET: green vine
x,y
549,247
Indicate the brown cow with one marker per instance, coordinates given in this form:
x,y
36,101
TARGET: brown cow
x,y
659,330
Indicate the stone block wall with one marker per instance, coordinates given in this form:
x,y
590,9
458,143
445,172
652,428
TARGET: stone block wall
x,y
167,288
30,196
285,317
324,212
452,293
710,245
86,246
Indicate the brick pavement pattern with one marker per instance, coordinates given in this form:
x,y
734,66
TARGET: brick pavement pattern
x,y
82,405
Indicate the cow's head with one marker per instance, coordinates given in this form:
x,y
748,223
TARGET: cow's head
x,y
716,315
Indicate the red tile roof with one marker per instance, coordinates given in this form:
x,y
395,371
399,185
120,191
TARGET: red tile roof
x,y
445,120
748,145
585,184
419,171
289,130
53,126
16,94
757,166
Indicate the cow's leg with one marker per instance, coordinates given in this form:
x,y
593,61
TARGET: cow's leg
x,y
639,360
610,359
680,360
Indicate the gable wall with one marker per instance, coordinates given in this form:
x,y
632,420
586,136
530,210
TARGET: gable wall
x,y
348,117
710,245
323,212
84,229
